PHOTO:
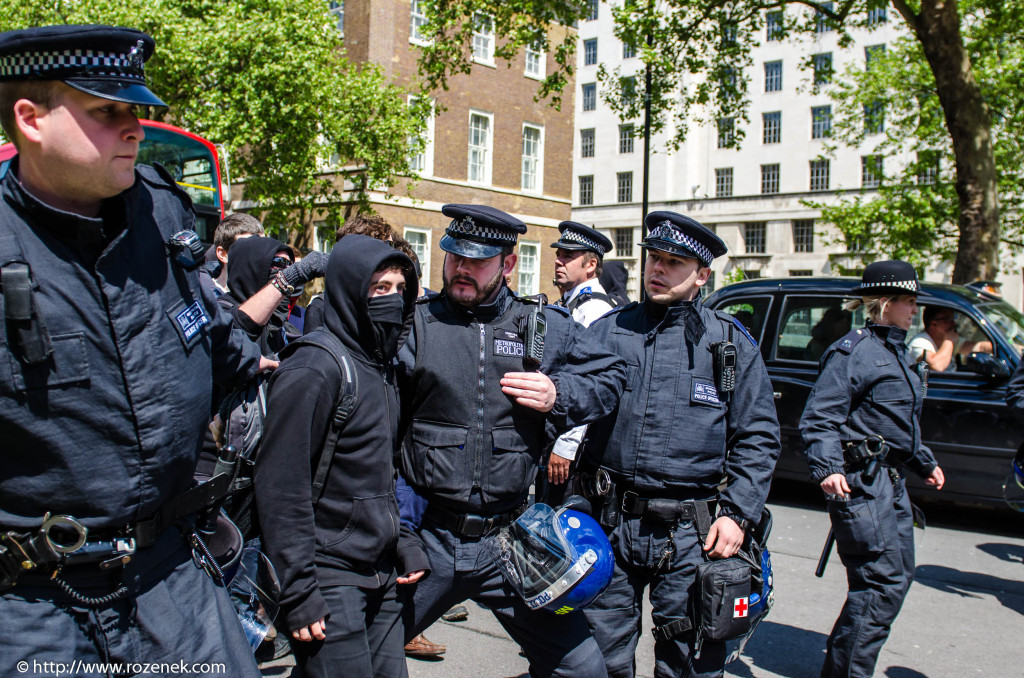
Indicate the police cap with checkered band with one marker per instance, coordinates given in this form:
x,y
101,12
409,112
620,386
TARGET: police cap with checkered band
x,y
576,236
887,277
105,61
682,236
479,231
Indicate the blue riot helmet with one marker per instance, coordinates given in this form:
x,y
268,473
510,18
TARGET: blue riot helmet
x,y
1013,487
557,560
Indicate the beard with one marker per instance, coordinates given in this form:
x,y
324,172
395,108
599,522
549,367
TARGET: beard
x,y
479,294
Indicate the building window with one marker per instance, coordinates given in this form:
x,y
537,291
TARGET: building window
x,y
927,167
627,89
535,65
871,171
587,143
769,179
419,240
625,138
772,127
324,236
874,118
822,64
822,24
821,122
801,273
753,237
590,96
592,8
628,50
725,132
773,25
418,19
803,235
723,182
529,263
873,53
773,76
337,10
480,148
587,190
590,52
877,16
423,162
623,242
483,38
624,184
533,158
819,175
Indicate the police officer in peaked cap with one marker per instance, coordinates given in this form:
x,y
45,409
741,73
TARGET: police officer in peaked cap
x,y
861,433
652,468
483,386
112,349
579,261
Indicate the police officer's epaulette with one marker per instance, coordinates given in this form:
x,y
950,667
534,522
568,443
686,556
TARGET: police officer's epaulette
x,y
157,176
850,340
558,309
722,315
618,309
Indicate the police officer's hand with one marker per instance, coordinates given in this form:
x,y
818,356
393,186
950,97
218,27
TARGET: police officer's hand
x,y
558,469
307,633
835,484
530,389
412,577
313,265
936,478
268,364
724,538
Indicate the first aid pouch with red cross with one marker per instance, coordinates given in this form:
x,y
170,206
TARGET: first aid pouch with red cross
x,y
722,601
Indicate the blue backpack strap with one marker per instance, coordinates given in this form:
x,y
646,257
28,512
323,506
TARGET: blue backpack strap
x,y
345,401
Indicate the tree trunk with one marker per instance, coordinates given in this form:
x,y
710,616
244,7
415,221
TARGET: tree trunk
x,y
969,122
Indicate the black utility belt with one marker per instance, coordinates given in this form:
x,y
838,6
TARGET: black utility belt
x,y
470,525
669,511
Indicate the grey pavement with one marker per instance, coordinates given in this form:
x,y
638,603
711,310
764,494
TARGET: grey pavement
x,y
964,615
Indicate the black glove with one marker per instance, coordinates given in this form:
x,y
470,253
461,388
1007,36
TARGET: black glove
x,y
313,265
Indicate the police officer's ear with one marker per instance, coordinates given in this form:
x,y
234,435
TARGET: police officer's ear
x,y
26,119
703,275
509,264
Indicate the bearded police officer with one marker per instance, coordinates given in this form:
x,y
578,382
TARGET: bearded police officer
x,y
698,405
107,360
861,430
488,376
579,257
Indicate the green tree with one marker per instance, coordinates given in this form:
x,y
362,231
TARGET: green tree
x,y
268,79
699,51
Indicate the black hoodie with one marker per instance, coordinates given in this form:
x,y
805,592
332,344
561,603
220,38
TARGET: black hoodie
x,y
353,538
614,278
249,266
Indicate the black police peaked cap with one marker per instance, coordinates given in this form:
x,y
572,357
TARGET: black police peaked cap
x,y
576,236
888,277
105,61
680,235
479,231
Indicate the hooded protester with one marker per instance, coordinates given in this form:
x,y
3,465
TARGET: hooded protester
x,y
340,556
254,260
613,279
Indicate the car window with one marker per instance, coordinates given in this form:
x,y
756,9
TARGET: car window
x,y
946,322
752,312
1009,321
811,324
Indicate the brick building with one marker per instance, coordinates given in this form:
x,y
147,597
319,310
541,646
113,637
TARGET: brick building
x,y
493,144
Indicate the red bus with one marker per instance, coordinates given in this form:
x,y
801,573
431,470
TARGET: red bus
x,y
193,162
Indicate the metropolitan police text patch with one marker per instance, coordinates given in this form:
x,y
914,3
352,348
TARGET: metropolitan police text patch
x,y
704,392
191,319
509,347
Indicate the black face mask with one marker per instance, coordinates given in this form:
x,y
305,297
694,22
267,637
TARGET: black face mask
x,y
387,315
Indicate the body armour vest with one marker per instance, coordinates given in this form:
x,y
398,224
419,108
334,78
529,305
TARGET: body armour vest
x,y
464,436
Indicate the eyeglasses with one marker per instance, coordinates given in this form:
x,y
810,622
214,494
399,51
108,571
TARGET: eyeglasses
x,y
280,262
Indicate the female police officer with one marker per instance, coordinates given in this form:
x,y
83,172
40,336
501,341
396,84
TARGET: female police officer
x,y
861,430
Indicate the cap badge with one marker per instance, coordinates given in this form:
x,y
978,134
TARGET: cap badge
x,y
135,56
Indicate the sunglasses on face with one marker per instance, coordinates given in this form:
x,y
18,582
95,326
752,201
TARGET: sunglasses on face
x,y
280,262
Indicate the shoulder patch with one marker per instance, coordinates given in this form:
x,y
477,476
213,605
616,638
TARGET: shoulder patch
x,y
852,338
557,309
740,326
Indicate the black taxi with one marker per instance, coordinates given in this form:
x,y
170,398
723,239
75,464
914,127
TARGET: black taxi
x,y
965,420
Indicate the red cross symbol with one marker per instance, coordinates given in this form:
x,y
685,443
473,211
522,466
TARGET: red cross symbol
x,y
740,608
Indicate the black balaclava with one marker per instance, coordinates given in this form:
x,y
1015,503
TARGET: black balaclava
x,y
249,265
613,279
371,329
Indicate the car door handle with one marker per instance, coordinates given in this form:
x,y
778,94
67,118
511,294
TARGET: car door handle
x,y
777,394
